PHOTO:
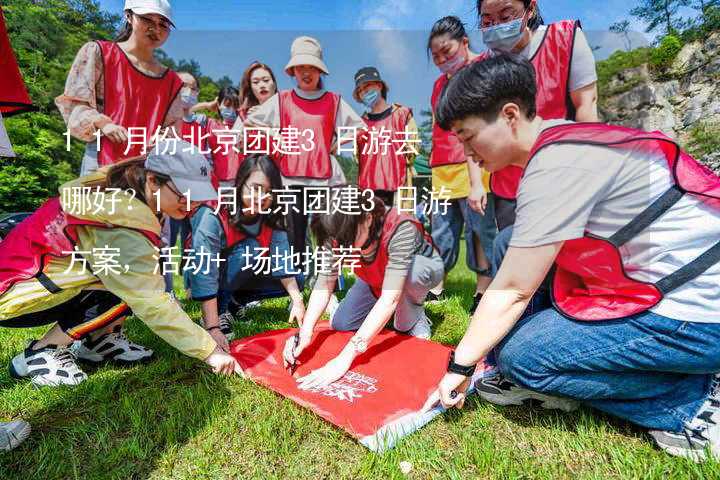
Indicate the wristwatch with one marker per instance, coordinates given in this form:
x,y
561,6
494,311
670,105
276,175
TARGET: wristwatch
x,y
359,344
459,369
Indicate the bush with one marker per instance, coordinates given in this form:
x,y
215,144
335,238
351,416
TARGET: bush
x,y
663,56
616,63
704,139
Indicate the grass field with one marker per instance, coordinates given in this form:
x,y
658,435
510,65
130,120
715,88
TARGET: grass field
x,y
171,418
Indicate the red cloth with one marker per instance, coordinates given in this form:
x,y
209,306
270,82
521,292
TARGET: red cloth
x,y
384,390
13,95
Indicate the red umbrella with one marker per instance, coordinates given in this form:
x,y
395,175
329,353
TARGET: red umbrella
x,y
13,95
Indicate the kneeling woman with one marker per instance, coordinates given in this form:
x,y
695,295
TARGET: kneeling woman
x,y
398,266
631,224
84,269
241,237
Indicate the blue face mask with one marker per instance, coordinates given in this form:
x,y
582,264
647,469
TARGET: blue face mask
x,y
504,37
370,98
228,114
188,99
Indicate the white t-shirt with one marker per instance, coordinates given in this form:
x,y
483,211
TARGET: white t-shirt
x,y
567,190
582,65
268,115
5,146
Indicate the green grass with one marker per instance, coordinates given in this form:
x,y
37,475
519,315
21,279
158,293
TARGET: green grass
x,y
171,418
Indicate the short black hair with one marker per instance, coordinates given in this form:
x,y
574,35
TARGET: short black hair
x,y
450,25
229,93
484,87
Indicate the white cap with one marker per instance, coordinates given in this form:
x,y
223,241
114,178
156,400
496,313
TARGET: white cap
x,y
143,7
187,168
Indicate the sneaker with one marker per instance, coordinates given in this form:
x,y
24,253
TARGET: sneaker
x,y
13,434
476,302
114,346
241,310
48,366
700,437
499,390
421,328
225,322
433,297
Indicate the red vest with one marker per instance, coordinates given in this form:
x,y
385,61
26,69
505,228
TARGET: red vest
x,y
13,95
233,235
590,281
317,115
132,99
552,64
373,273
446,148
384,169
226,160
196,134
48,232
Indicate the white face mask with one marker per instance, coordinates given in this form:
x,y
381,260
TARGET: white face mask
x,y
506,36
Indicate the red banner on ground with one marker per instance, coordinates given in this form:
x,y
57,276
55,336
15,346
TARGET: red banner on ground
x,y
378,401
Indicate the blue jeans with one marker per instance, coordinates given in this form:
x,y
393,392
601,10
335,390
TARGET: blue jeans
x,y
651,370
447,229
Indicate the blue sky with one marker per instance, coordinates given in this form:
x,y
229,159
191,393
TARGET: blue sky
x,y
224,36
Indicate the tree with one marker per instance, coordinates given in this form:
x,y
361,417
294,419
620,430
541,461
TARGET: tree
x,y
704,7
659,15
623,28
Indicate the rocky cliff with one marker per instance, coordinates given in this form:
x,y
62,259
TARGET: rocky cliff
x,y
683,102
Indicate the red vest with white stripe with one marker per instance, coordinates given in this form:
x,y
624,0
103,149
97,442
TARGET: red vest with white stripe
x,y
552,63
590,280
132,99
446,148
373,273
317,115
384,169
233,235
49,232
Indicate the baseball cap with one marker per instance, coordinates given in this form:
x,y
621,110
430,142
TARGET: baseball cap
x,y
143,7
188,169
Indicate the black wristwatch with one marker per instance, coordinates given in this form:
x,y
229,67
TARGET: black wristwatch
x,y
459,369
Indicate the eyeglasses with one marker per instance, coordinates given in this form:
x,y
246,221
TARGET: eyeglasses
x,y
150,23
180,197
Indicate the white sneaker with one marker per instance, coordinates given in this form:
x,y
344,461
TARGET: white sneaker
x,y
499,390
422,328
49,366
13,434
225,323
700,437
113,346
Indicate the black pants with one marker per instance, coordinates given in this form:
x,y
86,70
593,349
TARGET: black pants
x,y
84,313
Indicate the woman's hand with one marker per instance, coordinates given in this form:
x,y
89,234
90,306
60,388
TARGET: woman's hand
x,y
297,312
222,363
450,392
291,351
477,200
331,372
116,133
220,339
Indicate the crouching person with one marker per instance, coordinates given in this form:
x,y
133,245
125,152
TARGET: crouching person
x,y
56,269
240,235
398,266
631,224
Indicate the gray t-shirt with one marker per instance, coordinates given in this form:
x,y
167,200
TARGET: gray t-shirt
x,y
582,66
567,190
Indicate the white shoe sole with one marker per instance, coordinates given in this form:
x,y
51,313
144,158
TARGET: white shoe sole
x,y
518,398
19,371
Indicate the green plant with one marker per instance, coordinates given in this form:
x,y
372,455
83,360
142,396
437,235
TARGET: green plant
x,y
663,56
704,139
